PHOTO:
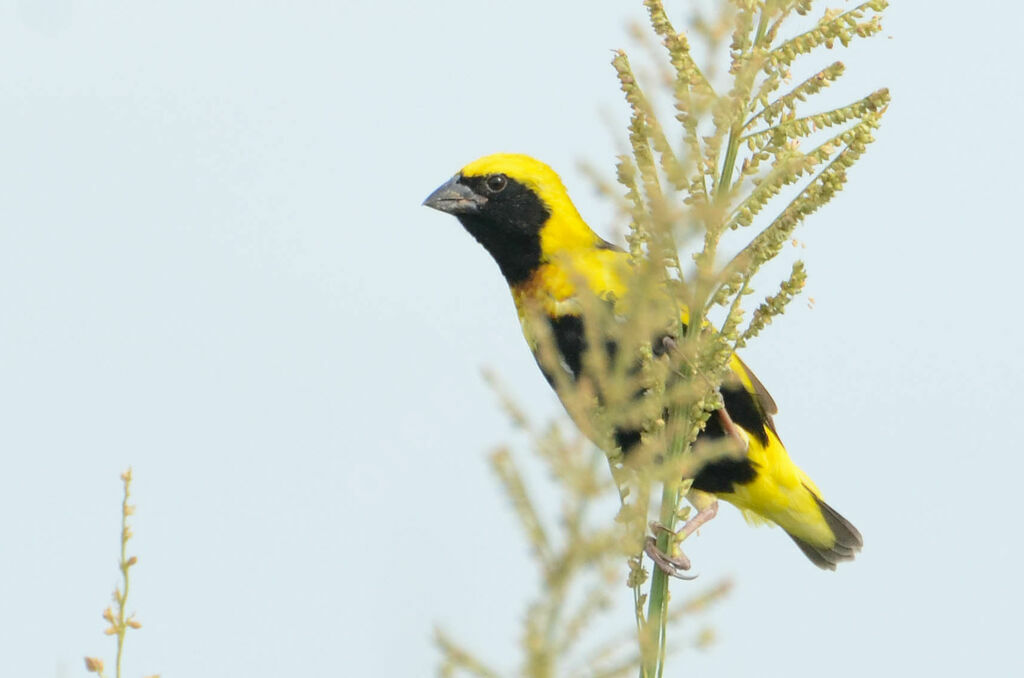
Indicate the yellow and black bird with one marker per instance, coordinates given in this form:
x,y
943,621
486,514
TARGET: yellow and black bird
x,y
519,210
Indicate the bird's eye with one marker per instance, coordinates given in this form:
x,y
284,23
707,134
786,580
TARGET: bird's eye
x,y
496,183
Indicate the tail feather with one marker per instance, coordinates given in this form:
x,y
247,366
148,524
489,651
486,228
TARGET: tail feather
x,y
847,540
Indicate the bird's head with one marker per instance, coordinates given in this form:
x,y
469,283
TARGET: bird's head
x,y
516,207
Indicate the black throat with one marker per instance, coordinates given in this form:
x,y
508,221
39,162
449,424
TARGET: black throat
x,y
517,251
508,225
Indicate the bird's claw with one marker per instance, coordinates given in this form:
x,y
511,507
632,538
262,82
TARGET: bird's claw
x,y
673,566
676,565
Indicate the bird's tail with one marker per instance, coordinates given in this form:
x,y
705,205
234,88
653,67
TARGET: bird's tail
x,y
845,543
783,494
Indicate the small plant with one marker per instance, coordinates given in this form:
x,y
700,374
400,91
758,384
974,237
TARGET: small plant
x,y
118,619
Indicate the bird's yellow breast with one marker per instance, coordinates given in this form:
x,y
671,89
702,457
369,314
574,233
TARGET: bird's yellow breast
x,y
554,287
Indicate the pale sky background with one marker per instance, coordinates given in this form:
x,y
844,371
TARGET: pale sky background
x,y
214,266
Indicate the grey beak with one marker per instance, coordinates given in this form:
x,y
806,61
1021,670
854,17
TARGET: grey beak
x,y
455,198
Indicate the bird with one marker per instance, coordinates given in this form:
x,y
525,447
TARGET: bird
x,y
519,210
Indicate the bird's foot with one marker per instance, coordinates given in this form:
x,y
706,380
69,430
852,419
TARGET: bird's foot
x,y
673,566
703,516
677,564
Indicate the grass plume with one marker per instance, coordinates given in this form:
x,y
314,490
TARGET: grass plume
x,y
118,619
